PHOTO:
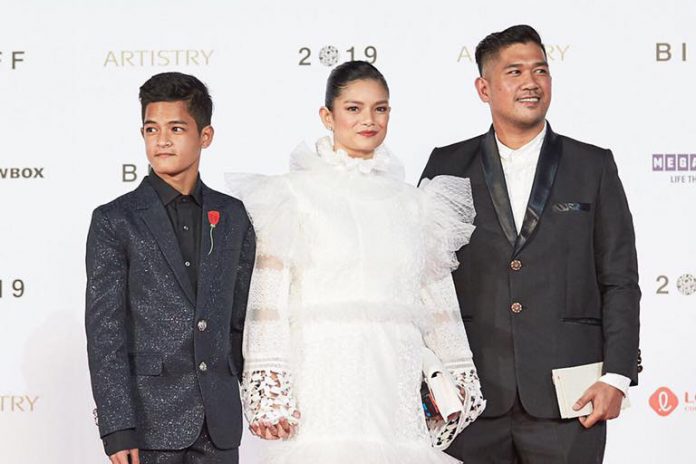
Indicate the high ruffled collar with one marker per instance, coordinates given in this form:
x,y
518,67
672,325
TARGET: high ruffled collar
x,y
383,163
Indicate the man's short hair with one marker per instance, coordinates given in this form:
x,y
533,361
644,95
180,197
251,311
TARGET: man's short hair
x,y
493,43
175,86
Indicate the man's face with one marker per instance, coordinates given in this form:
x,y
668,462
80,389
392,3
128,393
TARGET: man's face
x,y
517,86
172,141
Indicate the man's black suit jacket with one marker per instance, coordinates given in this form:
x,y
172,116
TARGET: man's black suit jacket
x,y
161,359
561,293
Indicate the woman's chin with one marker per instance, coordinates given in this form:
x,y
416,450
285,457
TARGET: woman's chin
x,y
364,149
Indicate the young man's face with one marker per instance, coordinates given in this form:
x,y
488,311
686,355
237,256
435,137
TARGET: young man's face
x,y
517,86
172,140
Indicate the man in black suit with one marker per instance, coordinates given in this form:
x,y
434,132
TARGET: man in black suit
x,y
549,279
168,271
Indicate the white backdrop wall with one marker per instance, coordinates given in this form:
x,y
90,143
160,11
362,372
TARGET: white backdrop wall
x,y
69,119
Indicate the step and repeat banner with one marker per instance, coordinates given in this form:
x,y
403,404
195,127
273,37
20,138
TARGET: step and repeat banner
x,y
623,75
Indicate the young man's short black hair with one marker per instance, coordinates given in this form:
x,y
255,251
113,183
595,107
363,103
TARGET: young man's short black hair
x,y
176,86
493,43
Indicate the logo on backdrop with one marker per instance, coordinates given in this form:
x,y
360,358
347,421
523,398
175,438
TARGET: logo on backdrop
x,y
21,173
663,401
130,173
157,58
11,59
665,51
685,285
554,53
18,403
331,55
679,167
14,288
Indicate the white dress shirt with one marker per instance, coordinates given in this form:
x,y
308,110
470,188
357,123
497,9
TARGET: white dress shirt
x,y
519,167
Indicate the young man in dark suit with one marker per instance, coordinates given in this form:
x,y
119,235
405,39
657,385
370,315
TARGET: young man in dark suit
x,y
549,279
168,272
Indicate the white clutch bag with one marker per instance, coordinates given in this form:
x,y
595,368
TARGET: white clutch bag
x,y
442,388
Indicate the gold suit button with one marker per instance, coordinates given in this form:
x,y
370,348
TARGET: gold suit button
x,y
516,265
516,307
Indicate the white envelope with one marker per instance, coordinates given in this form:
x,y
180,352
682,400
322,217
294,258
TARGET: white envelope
x,y
571,383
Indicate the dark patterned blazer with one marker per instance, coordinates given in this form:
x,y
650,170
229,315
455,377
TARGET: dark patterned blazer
x,y
562,292
161,359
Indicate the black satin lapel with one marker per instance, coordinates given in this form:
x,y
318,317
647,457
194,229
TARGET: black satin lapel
x,y
495,180
156,219
210,258
549,158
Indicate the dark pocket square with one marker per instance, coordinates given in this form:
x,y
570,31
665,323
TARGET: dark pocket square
x,y
568,207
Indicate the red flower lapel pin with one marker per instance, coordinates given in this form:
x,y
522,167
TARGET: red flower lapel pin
x,y
213,219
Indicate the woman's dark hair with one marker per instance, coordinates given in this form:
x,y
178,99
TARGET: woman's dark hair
x,y
493,43
175,86
345,73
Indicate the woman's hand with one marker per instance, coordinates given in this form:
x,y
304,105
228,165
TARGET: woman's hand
x,y
282,430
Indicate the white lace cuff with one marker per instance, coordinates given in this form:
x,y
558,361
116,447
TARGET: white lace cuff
x,y
442,432
267,396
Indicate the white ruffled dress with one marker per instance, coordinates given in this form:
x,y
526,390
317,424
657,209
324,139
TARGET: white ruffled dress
x,y
352,279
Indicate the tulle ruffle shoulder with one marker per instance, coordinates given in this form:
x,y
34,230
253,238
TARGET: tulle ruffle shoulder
x,y
273,209
448,217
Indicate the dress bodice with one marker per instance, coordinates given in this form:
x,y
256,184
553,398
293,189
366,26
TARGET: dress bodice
x,y
353,230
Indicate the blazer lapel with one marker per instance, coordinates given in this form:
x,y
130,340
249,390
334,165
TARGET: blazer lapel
x,y
546,169
157,220
495,180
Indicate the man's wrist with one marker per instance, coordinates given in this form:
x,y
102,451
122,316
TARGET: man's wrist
x,y
617,381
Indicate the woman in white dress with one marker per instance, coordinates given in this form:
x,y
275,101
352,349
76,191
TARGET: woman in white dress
x,y
352,280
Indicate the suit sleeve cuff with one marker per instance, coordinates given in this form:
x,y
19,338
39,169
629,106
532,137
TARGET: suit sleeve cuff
x,y
617,381
119,441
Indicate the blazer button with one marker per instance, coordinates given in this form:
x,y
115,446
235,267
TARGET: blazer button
x,y
516,307
516,265
202,325
202,367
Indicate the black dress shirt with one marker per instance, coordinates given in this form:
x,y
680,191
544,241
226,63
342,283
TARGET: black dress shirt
x,y
184,212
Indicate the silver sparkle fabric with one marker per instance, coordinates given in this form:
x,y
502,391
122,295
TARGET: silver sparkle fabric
x,y
144,344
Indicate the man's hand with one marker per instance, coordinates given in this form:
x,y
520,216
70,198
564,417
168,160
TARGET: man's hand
x,y
606,403
122,457
282,430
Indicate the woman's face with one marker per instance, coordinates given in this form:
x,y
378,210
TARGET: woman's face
x,y
359,117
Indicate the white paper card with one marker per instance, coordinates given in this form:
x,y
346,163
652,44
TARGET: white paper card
x,y
571,383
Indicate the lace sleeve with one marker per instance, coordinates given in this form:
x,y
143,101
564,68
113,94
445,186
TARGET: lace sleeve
x,y
446,337
267,383
448,216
